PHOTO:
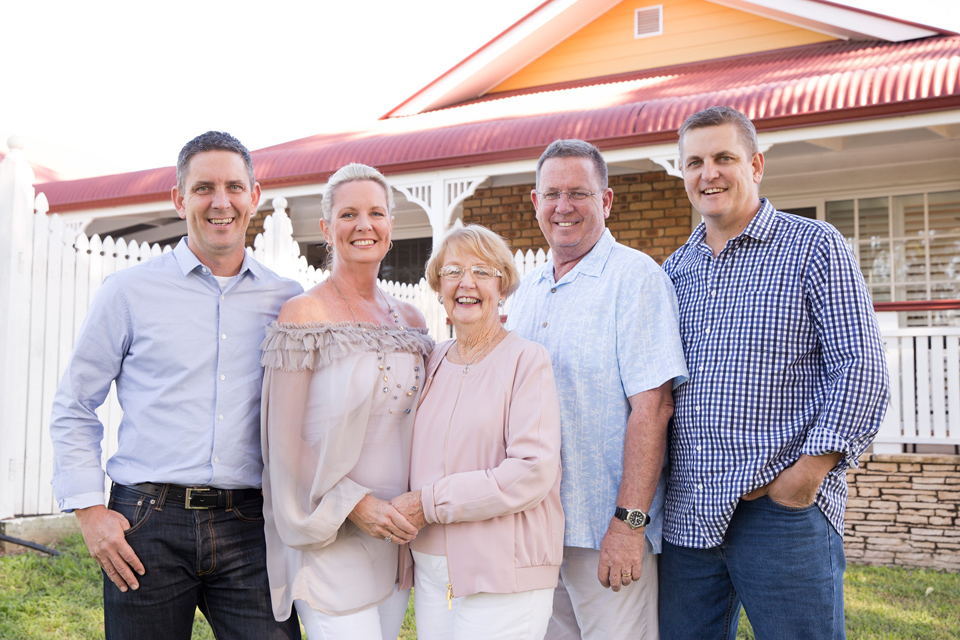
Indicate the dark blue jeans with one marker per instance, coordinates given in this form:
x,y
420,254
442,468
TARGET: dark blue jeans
x,y
214,559
784,564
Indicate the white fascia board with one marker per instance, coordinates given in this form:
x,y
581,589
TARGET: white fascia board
x,y
840,22
548,26
311,189
861,127
144,208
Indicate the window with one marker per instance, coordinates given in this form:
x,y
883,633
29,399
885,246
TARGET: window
x,y
648,21
405,262
908,248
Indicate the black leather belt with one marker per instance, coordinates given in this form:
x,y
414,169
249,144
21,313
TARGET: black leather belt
x,y
194,497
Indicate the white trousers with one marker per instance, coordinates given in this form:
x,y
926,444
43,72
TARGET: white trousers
x,y
584,610
481,616
382,622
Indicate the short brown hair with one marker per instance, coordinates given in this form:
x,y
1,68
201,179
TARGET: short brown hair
x,y
477,240
716,116
212,141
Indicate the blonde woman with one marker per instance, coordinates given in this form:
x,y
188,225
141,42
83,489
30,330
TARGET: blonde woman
x,y
344,365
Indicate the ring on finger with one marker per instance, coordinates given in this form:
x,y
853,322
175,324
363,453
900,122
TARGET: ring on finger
x,y
388,538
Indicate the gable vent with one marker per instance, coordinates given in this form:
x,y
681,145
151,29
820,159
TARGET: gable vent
x,y
648,21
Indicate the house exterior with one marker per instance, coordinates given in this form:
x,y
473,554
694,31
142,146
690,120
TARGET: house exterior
x,y
858,115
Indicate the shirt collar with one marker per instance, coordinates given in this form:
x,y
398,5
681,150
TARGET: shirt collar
x,y
760,228
591,264
188,261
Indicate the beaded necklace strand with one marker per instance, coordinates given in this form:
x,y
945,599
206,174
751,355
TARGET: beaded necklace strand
x,y
380,360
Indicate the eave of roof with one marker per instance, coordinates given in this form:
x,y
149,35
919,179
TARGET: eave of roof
x,y
803,86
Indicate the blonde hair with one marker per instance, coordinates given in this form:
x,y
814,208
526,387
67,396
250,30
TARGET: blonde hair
x,y
353,172
476,240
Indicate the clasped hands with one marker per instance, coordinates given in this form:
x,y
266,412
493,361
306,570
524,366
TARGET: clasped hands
x,y
397,521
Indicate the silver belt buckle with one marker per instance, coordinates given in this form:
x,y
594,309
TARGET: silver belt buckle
x,y
189,496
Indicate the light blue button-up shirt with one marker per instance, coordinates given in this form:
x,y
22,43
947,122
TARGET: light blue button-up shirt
x,y
611,327
186,359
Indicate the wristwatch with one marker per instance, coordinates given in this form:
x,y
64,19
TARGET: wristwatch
x,y
636,518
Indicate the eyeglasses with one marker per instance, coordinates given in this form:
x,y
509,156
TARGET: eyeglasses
x,y
479,271
573,196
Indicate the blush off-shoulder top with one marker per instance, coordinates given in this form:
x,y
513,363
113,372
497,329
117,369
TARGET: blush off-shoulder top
x,y
336,424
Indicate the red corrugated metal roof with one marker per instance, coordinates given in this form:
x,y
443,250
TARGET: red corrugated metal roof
x,y
788,88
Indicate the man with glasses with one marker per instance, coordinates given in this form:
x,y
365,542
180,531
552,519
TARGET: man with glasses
x,y
608,316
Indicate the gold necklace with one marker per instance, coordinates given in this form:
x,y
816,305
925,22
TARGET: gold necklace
x,y
384,369
466,366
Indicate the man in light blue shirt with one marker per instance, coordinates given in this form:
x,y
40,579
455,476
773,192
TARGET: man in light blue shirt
x,y
180,336
608,316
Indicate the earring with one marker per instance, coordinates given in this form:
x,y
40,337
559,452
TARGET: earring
x,y
440,299
500,304
390,246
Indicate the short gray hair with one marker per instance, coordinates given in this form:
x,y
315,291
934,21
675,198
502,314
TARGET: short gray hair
x,y
575,149
353,172
211,141
717,116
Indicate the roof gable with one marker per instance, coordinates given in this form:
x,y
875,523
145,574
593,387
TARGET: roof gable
x,y
693,31
499,64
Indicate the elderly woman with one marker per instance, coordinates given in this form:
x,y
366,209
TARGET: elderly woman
x,y
485,468
344,366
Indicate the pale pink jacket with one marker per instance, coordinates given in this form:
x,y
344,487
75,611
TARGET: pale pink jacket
x,y
486,457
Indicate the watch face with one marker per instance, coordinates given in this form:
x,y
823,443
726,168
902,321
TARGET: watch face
x,y
636,518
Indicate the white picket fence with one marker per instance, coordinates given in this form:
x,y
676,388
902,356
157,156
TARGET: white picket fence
x,y
924,406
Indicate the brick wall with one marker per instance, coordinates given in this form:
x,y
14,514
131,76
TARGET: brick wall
x,y
256,225
650,212
904,510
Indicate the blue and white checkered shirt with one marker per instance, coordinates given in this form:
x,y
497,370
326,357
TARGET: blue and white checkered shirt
x,y
785,359
610,325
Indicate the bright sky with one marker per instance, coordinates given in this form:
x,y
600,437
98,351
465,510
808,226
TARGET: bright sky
x,y
125,84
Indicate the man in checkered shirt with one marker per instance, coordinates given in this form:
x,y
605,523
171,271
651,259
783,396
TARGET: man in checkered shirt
x,y
788,385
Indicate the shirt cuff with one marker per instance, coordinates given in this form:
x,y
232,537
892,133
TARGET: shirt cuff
x,y
81,501
428,504
79,488
822,441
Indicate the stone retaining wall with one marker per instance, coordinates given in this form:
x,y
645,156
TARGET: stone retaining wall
x,y
904,509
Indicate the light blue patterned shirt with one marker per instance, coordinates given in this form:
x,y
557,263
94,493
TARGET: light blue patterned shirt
x,y
186,359
611,327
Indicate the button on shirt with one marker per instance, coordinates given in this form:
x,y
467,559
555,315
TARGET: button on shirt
x,y
786,359
610,325
186,359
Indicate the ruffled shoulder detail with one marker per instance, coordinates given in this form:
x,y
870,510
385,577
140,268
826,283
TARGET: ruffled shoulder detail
x,y
314,345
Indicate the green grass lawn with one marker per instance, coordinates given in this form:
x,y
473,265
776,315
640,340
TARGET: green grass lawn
x,y
43,598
